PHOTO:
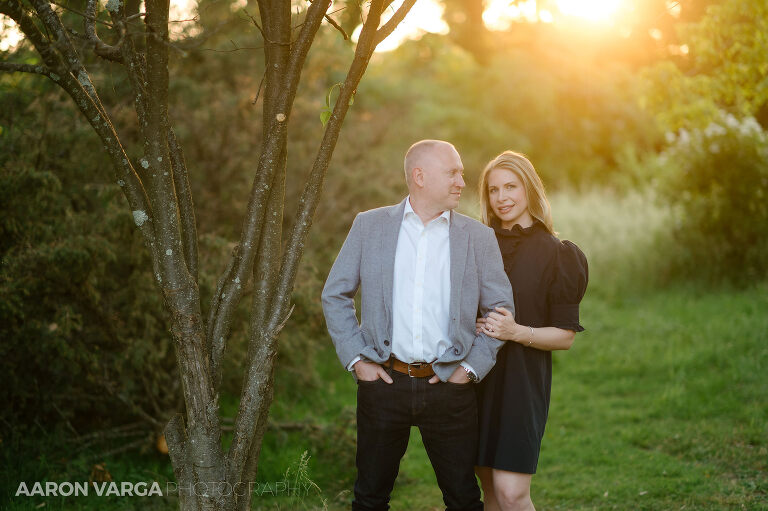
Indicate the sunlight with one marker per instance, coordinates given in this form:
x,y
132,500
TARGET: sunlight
x,y
592,10
500,14
10,34
181,16
181,24
426,16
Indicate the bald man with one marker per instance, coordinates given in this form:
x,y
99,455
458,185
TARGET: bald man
x,y
424,272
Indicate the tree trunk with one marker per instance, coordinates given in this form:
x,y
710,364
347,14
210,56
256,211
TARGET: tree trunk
x,y
158,193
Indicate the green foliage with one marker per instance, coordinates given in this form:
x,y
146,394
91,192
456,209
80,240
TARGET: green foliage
x,y
725,68
79,345
714,175
327,110
719,193
535,99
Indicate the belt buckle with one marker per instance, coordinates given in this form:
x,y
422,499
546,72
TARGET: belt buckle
x,y
417,365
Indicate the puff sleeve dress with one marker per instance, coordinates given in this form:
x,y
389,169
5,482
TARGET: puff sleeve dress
x,y
549,278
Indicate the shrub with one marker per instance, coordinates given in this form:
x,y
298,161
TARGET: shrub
x,y
719,193
82,330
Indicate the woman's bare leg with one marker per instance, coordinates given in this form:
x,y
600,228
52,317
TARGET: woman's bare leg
x,y
512,491
486,482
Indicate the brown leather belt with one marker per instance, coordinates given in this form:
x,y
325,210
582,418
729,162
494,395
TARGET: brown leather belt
x,y
414,370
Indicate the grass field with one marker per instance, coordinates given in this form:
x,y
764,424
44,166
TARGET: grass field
x,y
662,404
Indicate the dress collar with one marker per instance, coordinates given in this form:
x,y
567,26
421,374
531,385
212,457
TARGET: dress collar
x,y
517,230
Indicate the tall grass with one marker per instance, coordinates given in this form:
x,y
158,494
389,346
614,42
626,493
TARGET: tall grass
x,y
626,237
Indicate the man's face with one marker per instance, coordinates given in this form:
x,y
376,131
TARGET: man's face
x,y
443,178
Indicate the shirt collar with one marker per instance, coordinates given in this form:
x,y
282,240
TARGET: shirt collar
x,y
409,210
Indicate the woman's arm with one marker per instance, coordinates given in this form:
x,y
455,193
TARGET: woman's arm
x,y
501,325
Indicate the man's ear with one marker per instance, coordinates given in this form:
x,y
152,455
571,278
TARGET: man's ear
x,y
418,176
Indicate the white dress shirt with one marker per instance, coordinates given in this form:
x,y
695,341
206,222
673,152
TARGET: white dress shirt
x,y
421,288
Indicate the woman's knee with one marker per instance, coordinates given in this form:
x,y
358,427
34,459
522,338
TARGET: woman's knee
x,y
512,497
512,492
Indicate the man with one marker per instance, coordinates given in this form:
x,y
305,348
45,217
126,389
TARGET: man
x,y
424,272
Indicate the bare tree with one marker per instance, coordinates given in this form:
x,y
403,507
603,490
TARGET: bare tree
x,y
158,193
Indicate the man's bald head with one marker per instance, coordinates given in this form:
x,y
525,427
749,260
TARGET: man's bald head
x,y
419,154
435,177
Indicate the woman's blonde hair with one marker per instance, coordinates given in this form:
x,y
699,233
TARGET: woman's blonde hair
x,y
538,205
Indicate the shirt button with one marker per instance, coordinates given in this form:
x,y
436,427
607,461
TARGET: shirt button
x,y
386,342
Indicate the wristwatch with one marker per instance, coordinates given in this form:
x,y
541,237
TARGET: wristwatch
x,y
471,376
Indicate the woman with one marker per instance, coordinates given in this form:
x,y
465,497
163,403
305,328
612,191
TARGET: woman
x,y
549,278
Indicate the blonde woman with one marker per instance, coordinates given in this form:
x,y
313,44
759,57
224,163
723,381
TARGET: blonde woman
x,y
549,278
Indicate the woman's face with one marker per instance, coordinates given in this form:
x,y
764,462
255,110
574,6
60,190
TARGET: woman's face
x,y
507,198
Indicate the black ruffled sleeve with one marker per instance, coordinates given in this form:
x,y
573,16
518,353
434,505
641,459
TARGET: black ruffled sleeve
x,y
568,287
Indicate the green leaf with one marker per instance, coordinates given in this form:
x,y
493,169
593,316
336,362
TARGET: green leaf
x,y
325,114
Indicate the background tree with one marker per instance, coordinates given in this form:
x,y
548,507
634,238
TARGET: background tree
x,y
723,69
158,193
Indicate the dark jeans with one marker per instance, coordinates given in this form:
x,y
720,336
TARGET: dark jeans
x,y
446,414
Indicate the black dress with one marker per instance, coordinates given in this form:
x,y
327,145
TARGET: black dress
x,y
549,278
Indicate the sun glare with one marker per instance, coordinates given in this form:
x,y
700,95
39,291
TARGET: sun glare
x,y
425,16
501,14
592,10
10,34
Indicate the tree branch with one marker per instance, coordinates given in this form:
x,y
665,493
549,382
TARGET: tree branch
x,y
186,206
101,48
278,100
299,50
310,196
26,68
338,27
14,10
393,22
266,276
276,113
87,103
156,161
262,348
89,16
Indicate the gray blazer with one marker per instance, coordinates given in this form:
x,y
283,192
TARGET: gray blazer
x,y
367,261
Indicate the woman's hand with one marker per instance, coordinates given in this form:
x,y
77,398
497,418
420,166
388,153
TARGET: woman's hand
x,y
479,324
500,325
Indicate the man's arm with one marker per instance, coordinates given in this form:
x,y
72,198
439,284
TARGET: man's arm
x,y
338,297
495,291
